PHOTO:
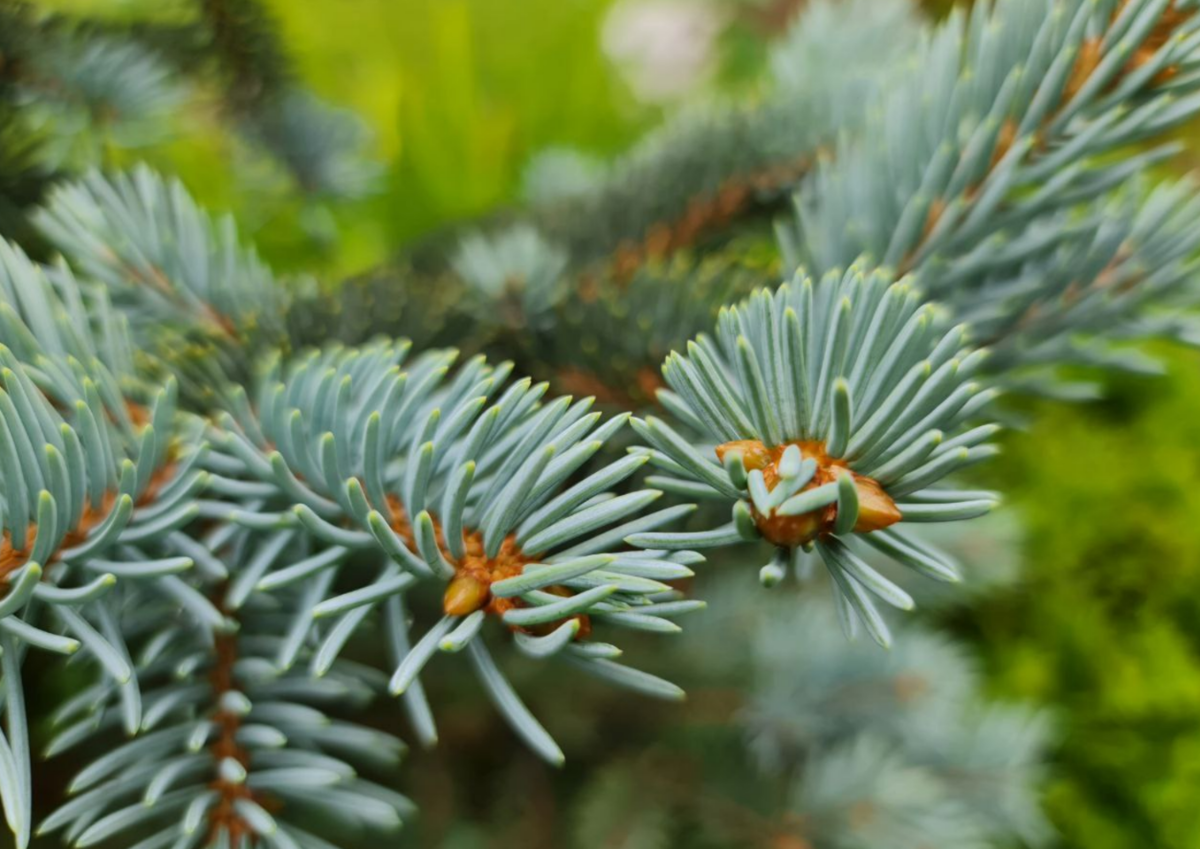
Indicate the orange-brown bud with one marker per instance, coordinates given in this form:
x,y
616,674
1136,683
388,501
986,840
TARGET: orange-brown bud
x,y
793,531
755,455
464,595
876,509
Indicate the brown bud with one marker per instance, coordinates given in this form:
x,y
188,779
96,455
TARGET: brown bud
x,y
464,595
876,510
795,530
755,455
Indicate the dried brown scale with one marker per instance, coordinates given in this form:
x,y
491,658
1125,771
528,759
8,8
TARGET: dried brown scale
x,y
1085,64
12,559
477,572
1004,143
139,414
1089,52
876,508
936,209
470,589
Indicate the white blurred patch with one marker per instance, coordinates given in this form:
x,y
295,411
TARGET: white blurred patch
x,y
663,49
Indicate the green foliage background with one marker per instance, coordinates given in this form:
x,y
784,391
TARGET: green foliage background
x,y
459,94
1104,624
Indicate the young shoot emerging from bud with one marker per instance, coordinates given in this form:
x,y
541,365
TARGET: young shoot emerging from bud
x,y
835,408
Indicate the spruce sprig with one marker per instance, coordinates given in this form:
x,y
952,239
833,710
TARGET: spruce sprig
x,y
230,748
98,471
456,480
989,170
836,407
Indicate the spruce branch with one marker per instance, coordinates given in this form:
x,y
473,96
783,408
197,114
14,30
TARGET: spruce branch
x,y
896,748
83,84
232,751
90,91
96,472
420,470
199,301
994,755
1002,120
862,794
822,742
712,166
805,700
986,169
400,300
215,572
162,258
610,337
1124,272
702,174
836,407
321,145
1075,285
81,89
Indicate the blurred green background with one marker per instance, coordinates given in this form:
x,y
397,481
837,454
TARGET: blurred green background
x,y
1103,628
458,95
1104,625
